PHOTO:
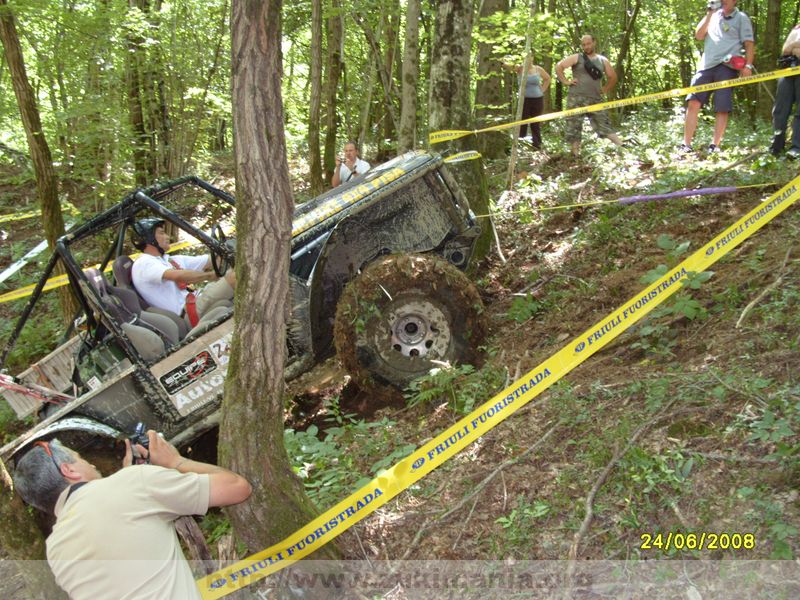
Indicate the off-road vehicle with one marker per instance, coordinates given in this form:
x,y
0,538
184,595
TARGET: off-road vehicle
x,y
388,250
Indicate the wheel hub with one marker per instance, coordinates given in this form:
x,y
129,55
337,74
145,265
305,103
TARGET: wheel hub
x,y
419,328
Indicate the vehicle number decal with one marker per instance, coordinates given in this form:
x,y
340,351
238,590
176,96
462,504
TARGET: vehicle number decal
x,y
221,350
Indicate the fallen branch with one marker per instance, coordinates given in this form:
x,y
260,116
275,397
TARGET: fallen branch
x,y
589,502
735,458
743,393
478,489
765,291
497,241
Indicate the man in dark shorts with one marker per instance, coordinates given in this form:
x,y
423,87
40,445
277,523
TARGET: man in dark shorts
x,y
726,31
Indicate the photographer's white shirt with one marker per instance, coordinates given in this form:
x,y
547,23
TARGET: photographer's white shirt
x,y
361,167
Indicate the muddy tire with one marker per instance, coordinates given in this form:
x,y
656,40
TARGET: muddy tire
x,y
403,313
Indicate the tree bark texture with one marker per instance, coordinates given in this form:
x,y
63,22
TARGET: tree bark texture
x,y
490,94
251,434
315,158
769,50
143,164
335,65
390,45
628,23
46,182
449,105
407,134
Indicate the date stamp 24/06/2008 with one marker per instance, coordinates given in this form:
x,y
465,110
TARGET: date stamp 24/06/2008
x,y
703,540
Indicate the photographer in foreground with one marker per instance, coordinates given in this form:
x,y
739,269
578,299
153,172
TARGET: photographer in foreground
x,y
787,94
114,536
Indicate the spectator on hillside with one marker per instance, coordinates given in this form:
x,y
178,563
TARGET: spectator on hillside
x,y
787,94
586,88
727,32
352,166
536,83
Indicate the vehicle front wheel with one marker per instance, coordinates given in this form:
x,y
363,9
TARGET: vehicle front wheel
x,y
404,314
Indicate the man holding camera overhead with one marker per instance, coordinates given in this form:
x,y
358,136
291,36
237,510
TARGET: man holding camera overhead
x,y
726,32
788,93
114,536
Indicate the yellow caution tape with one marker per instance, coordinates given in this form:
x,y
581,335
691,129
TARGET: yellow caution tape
x,y
67,207
443,136
19,217
62,280
462,156
435,453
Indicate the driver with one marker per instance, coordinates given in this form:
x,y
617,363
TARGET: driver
x,y
165,281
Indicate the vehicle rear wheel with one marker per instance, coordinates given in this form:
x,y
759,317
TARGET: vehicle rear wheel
x,y
402,315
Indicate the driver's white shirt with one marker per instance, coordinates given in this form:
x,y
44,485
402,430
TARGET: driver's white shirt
x,y
147,275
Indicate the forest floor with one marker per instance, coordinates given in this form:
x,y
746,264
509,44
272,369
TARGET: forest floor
x,y
686,423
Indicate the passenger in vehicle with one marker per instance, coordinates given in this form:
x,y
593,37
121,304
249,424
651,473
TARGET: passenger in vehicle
x,y
165,281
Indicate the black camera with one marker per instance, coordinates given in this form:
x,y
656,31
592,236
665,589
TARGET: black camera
x,y
713,5
140,437
788,60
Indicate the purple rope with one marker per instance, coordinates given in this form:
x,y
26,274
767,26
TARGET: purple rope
x,y
679,194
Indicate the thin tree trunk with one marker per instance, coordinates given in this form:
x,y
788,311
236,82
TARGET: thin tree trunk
x,y
46,182
387,82
334,72
199,111
546,50
769,50
143,167
512,162
407,134
251,434
363,126
628,25
315,159
389,53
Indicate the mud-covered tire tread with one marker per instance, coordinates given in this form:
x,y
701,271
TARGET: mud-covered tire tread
x,y
428,274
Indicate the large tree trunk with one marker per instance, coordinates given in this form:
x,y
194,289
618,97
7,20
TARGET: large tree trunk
x,y
334,71
251,434
449,105
490,105
46,182
22,539
546,53
407,134
315,159
391,26
143,165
